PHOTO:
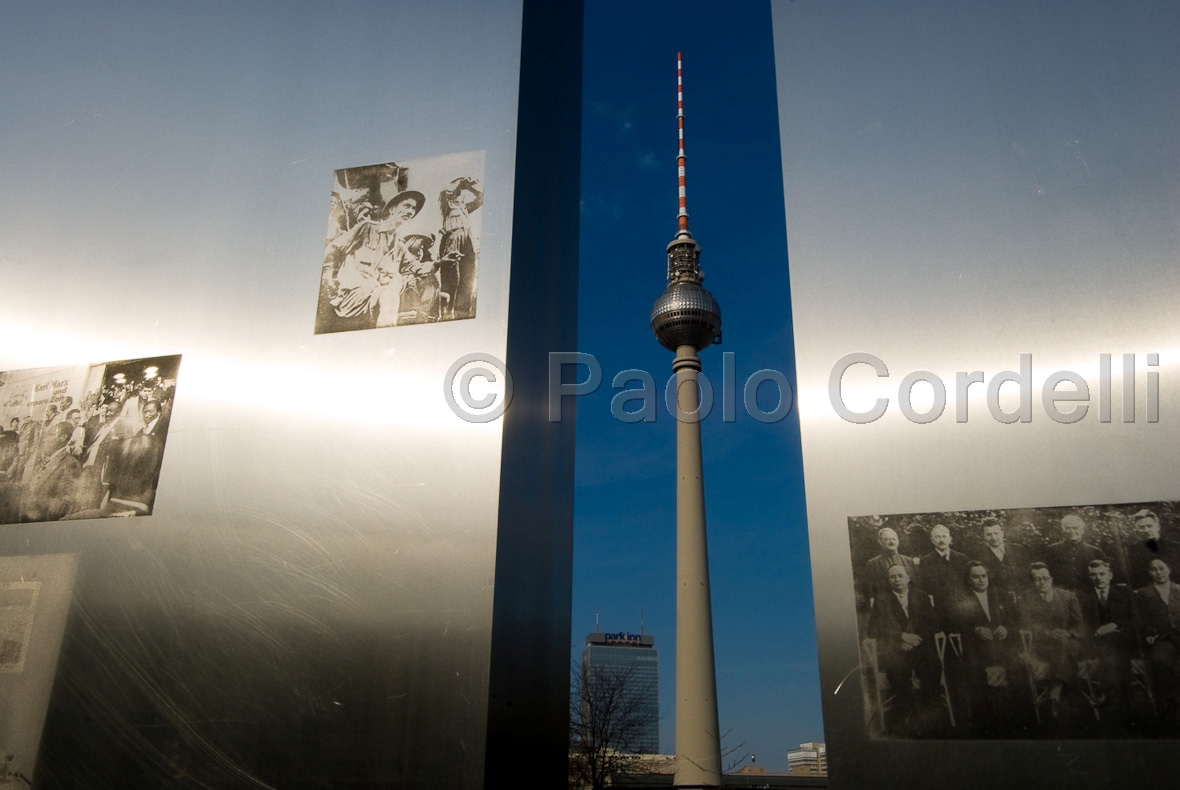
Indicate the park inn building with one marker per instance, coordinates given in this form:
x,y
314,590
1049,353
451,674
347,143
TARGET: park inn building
x,y
608,655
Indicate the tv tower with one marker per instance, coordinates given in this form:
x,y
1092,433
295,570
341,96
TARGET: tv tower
x,y
686,318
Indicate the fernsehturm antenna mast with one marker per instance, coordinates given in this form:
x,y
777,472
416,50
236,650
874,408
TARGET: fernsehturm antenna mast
x,y
686,318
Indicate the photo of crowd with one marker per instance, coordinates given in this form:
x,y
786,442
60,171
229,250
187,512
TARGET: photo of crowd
x,y
84,441
402,244
1020,624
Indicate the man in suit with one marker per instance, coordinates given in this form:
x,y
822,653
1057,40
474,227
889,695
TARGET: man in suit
x,y
902,622
1054,619
135,467
27,457
50,491
942,571
876,580
984,617
1148,545
1108,613
103,445
1159,617
9,447
10,489
1007,563
1069,559
93,425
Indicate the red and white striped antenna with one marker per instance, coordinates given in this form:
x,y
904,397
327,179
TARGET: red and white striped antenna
x,y
682,214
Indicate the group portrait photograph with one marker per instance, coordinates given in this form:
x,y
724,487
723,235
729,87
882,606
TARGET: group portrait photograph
x,y
1039,623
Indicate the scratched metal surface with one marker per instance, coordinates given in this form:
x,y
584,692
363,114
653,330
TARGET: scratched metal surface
x,y
965,183
310,603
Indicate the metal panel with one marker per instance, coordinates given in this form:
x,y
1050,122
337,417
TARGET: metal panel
x,y
310,602
965,184
528,710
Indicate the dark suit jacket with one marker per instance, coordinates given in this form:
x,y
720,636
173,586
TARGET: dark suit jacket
x,y
1041,617
1069,563
888,621
979,653
91,429
944,579
1063,611
50,493
135,468
1139,554
967,614
1156,618
9,447
1010,575
1118,609
876,579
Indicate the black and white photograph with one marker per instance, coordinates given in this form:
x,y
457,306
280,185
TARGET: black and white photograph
x,y
36,595
402,245
18,606
84,441
1040,623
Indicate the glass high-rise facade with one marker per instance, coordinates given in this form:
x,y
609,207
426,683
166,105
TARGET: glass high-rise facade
x,y
630,663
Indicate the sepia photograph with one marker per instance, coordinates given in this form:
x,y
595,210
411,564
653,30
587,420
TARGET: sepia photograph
x,y
402,245
1040,623
84,441
36,595
18,605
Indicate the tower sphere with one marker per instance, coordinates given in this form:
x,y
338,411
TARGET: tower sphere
x,y
685,314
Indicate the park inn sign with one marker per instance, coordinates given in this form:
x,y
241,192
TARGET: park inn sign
x,y
621,638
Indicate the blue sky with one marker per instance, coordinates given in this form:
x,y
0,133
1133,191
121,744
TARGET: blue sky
x,y
624,559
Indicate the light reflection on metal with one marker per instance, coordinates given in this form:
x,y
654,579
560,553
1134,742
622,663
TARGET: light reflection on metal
x,y
348,395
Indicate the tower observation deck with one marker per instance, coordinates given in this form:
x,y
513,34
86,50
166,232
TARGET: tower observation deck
x,y
685,313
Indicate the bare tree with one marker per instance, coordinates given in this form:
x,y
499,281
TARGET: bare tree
x,y
609,716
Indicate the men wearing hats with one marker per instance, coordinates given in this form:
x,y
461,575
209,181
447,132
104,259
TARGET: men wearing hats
x,y
358,266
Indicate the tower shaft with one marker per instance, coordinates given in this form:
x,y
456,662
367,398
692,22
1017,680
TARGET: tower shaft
x,y
686,318
698,739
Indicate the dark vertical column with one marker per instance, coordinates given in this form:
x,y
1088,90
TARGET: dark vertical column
x,y
528,705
